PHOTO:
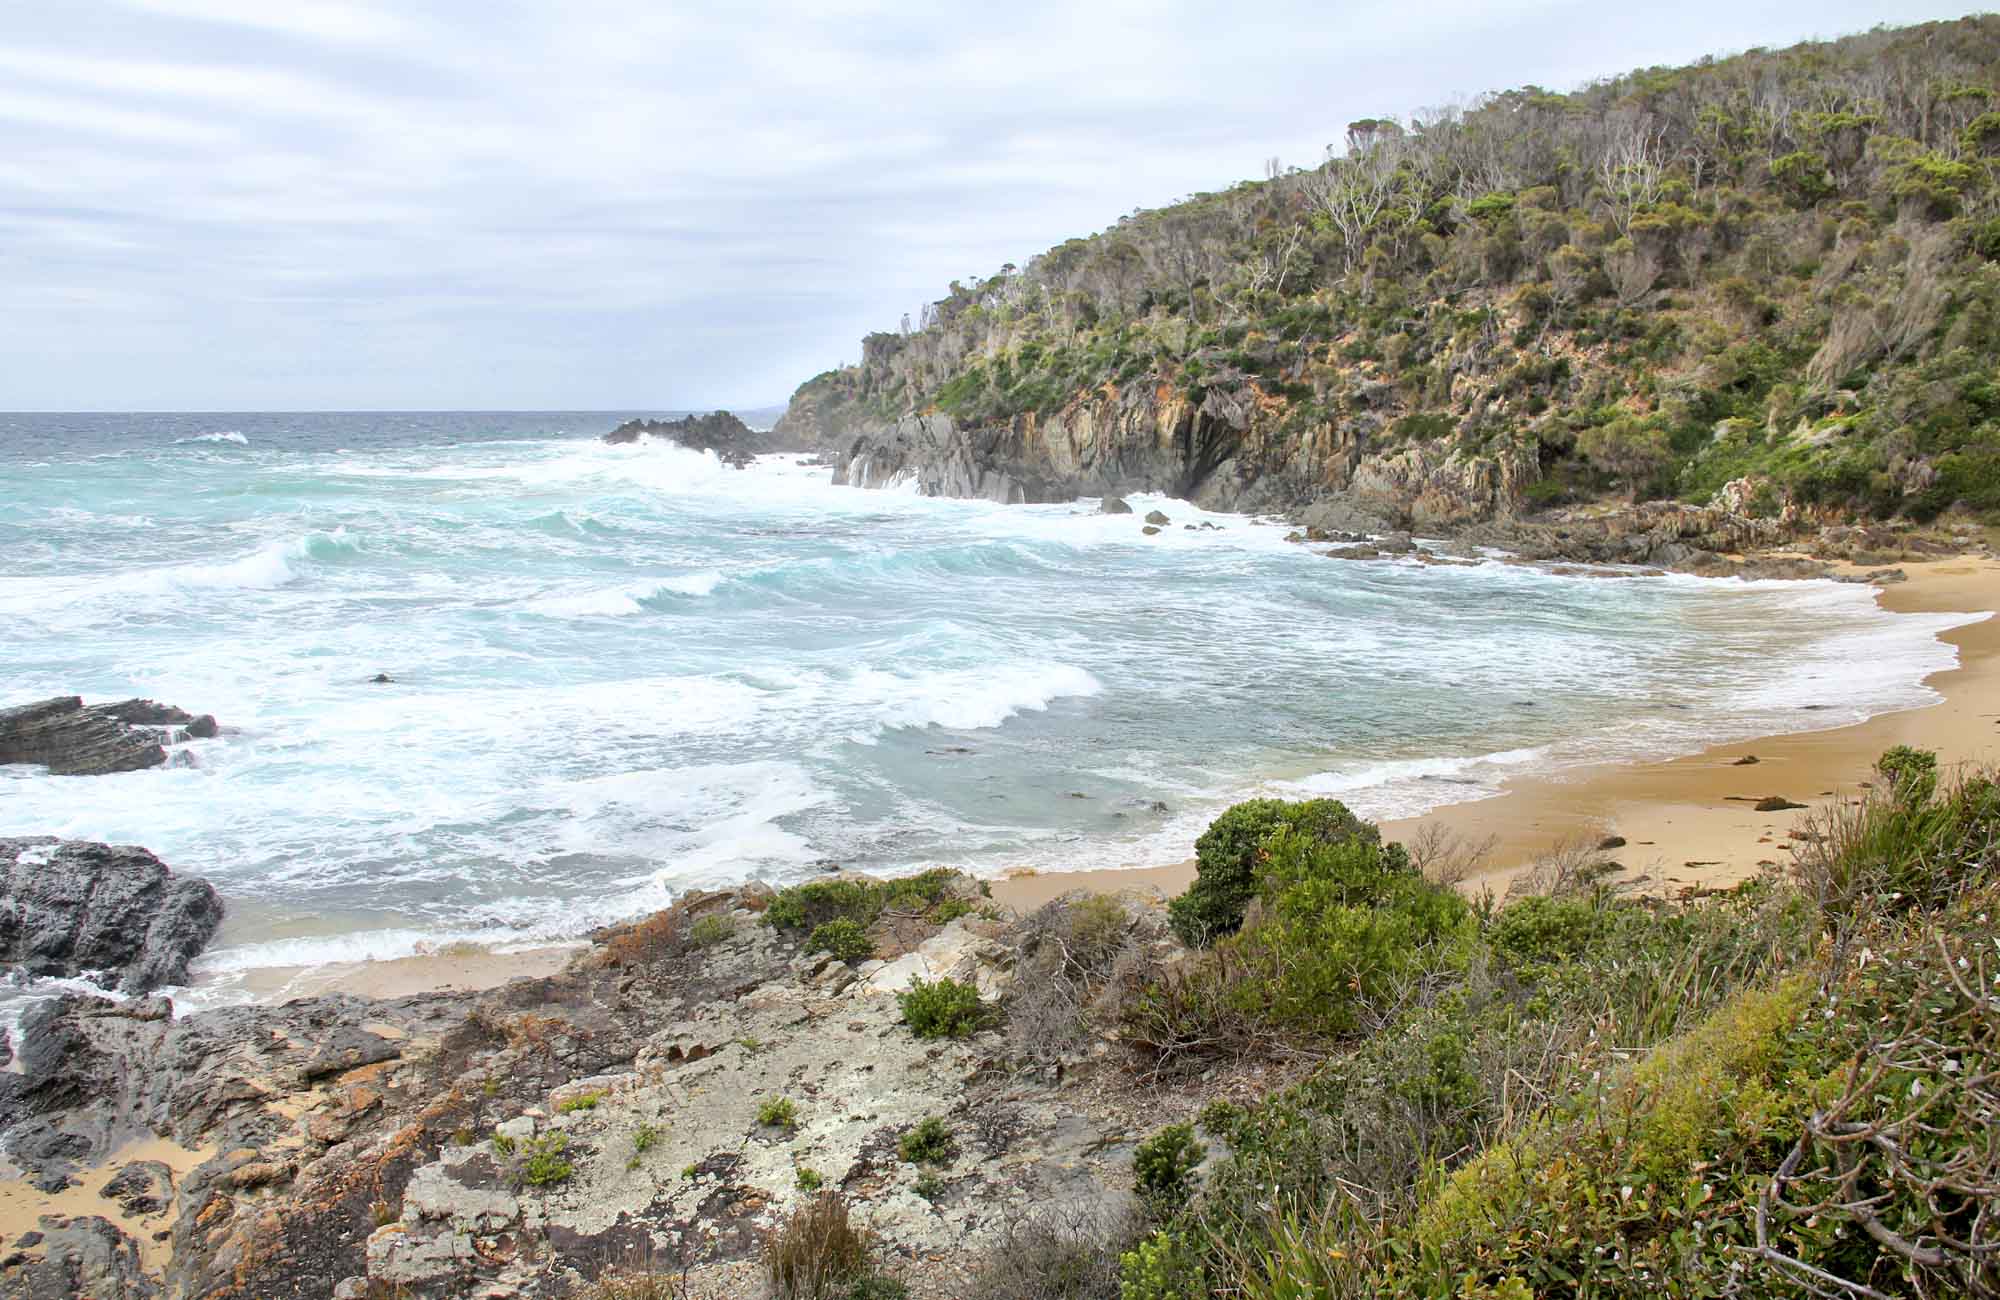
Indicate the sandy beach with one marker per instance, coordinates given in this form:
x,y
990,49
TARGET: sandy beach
x,y
1691,821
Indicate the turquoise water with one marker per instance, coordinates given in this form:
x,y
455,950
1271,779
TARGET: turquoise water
x,y
623,671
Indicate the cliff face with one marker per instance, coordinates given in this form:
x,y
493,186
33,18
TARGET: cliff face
x,y
1226,452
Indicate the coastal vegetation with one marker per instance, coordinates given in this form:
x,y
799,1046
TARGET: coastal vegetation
x,y
1786,1088
1776,268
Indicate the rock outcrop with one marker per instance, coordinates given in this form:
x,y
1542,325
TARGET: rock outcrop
x,y
70,739
1221,452
526,1141
733,441
72,906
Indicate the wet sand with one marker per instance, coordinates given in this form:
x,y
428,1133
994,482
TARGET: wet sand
x,y
465,968
1690,821
22,1205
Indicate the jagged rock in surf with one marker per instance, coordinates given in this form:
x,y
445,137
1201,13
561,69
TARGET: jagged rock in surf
x,y
70,740
733,442
71,906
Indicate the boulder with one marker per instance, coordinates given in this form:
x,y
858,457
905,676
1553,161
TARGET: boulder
x,y
733,442
1113,506
1156,517
70,740
70,906
142,1188
86,1256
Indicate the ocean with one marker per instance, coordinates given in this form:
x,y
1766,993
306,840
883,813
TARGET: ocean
x,y
622,672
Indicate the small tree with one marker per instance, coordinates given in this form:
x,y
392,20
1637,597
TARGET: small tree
x,y
1628,449
1227,854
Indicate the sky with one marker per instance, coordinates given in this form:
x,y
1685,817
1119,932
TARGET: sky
x,y
650,204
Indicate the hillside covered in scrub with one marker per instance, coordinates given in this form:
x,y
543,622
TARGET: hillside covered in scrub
x,y
1776,267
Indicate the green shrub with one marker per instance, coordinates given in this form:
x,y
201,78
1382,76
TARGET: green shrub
x,y
929,1186
544,1162
936,895
1911,773
1894,850
807,906
928,1142
1165,1266
809,1180
778,1112
711,930
1344,922
1228,852
844,938
581,1102
942,1008
1163,1168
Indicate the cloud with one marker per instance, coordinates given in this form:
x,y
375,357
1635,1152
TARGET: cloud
x,y
519,203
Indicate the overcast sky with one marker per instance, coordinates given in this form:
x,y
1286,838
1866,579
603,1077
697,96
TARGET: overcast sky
x,y
310,204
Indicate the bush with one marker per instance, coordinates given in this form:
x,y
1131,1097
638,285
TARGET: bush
x,y
711,930
580,1102
817,1254
1911,773
1227,854
942,1008
928,1142
1064,954
1344,922
1906,845
544,1162
1056,1252
936,895
1163,1169
844,938
778,1112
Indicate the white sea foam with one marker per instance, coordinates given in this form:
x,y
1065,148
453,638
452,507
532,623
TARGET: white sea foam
x,y
969,699
621,602
621,672
224,435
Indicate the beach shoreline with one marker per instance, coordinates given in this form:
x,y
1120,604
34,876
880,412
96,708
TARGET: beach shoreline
x,y
1689,822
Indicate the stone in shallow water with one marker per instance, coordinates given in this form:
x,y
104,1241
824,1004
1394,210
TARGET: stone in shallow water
x,y
71,906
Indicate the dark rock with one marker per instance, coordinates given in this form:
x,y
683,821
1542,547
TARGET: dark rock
x,y
349,1048
380,678
1877,577
70,906
733,442
1611,842
204,728
144,713
1748,760
70,740
1113,506
1156,517
142,1188
85,1258
1776,803
1354,553
1150,531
